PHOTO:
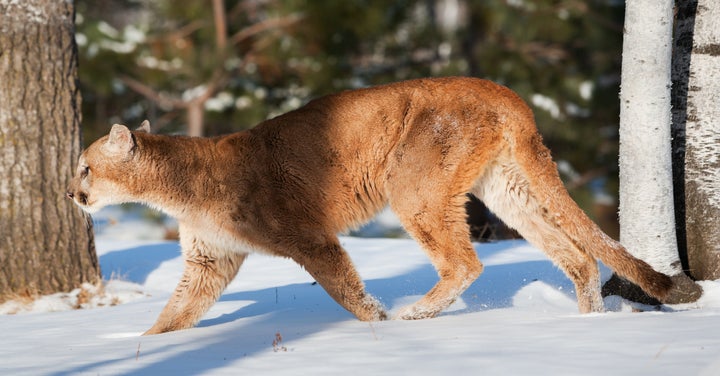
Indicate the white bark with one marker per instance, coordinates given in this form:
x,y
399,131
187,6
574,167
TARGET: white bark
x,y
703,121
647,219
702,130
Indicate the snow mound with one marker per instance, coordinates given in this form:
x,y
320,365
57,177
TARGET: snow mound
x,y
109,293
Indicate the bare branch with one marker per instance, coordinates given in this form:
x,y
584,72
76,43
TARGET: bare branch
x,y
220,24
218,79
179,33
264,25
161,100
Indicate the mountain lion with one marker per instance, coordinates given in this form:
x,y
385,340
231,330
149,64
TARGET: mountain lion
x,y
291,184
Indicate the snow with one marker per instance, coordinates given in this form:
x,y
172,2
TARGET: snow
x,y
586,90
548,104
520,317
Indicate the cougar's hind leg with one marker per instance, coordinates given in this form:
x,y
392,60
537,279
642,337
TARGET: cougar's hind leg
x,y
207,273
329,264
438,223
507,193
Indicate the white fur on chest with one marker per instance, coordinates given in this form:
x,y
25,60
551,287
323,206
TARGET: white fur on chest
x,y
214,237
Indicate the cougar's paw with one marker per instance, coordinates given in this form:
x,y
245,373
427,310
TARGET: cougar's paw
x,y
160,328
373,310
415,312
152,331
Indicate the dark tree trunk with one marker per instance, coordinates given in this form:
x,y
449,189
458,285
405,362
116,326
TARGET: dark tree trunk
x,y
702,146
46,243
695,140
682,49
485,226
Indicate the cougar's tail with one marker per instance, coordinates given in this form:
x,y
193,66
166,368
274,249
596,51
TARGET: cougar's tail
x,y
524,189
583,232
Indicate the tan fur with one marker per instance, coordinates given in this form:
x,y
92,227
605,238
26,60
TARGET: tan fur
x,y
289,185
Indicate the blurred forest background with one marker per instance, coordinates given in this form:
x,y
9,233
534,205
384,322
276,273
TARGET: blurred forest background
x,y
212,67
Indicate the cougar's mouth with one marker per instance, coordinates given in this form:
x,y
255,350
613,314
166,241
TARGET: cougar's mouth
x,y
81,199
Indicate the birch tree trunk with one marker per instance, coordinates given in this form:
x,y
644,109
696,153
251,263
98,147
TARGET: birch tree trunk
x,y
46,243
702,145
647,220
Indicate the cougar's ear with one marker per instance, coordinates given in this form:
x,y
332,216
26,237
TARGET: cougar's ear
x,y
120,141
144,127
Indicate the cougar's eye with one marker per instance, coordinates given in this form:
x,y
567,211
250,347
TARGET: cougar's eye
x,y
84,172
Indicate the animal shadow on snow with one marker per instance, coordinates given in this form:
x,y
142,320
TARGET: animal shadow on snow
x,y
301,309
494,289
136,264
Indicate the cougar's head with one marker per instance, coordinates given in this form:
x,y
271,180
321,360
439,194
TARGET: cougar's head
x,y
103,169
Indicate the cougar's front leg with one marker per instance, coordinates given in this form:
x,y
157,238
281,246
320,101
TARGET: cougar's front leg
x,y
332,268
207,272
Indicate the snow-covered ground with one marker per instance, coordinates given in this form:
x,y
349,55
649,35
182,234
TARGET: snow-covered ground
x,y
519,318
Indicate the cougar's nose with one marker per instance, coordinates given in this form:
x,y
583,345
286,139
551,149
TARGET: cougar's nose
x,y
69,195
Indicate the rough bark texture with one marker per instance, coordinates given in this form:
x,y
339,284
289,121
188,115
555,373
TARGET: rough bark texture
x,y
46,243
702,155
647,220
